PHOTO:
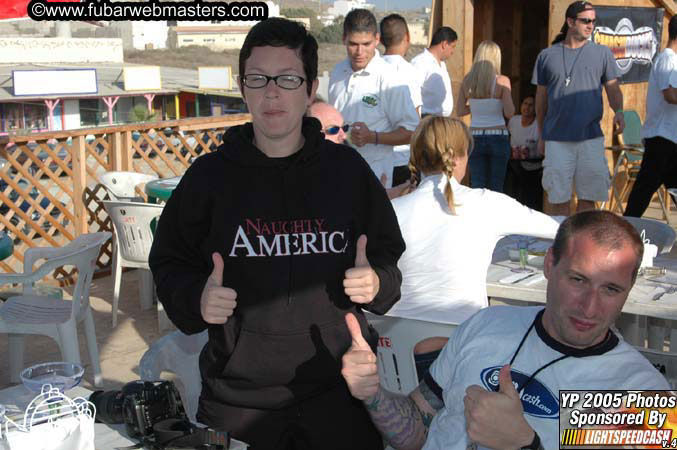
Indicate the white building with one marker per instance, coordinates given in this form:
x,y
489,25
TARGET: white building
x,y
343,7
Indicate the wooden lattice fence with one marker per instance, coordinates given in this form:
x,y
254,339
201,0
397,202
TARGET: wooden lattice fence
x,y
50,191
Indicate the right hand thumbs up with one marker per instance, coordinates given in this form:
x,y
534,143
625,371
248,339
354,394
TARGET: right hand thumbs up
x,y
359,363
217,302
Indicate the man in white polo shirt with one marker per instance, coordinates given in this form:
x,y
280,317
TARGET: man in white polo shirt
x,y
659,164
395,38
370,96
438,99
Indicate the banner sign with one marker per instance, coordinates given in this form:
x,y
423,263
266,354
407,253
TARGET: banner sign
x,y
633,35
618,419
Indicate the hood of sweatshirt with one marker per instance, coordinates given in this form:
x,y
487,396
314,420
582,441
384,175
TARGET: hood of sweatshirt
x,y
238,146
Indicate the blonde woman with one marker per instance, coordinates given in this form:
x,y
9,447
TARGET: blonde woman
x,y
486,95
450,230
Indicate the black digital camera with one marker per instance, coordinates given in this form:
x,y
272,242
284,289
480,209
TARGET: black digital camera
x,y
139,405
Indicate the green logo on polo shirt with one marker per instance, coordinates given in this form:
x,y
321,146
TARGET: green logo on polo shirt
x,y
370,100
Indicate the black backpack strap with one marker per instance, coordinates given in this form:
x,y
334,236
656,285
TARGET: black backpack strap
x,y
177,433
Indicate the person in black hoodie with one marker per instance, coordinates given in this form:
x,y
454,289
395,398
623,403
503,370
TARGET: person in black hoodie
x,y
267,243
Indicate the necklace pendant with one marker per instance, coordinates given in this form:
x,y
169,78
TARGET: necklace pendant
x,y
567,81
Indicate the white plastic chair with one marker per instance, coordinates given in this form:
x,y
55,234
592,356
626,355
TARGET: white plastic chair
x,y
179,354
133,239
665,362
396,366
121,186
663,236
56,318
658,233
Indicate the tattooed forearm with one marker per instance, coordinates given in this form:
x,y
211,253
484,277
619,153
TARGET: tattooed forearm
x,y
399,420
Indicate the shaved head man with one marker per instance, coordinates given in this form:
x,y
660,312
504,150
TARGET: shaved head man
x,y
331,119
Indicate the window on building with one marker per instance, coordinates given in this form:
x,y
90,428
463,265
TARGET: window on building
x,y
35,116
23,116
90,112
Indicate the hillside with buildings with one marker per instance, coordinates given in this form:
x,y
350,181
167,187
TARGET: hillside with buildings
x,y
108,73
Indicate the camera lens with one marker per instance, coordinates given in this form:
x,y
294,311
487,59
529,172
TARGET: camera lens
x,y
108,406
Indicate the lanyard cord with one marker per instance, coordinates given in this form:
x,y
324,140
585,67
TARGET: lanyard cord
x,y
567,80
519,347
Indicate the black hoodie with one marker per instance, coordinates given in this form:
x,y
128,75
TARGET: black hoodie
x,y
287,230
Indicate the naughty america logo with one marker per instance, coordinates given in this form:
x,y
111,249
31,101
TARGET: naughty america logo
x,y
260,237
537,399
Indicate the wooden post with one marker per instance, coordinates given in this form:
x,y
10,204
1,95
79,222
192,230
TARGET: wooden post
x,y
79,185
126,151
115,150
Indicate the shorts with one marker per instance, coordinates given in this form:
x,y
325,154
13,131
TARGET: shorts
x,y
423,362
582,164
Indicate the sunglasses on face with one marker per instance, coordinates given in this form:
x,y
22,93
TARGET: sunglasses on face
x,y
587,21
335,129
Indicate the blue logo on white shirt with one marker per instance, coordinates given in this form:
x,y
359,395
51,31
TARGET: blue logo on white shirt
x,y
537,399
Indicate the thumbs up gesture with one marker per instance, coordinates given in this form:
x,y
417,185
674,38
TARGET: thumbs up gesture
x,y
359,363
217,302
496,419
361,283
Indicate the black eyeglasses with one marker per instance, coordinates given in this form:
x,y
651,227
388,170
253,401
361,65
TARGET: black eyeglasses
x,y
586,20
335,129
258,81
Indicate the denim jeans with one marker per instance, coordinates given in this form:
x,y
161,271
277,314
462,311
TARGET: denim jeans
x,y
489,161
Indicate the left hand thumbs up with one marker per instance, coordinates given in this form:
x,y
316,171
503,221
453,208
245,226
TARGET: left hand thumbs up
x,y
361,253
496,419
361,283
505,384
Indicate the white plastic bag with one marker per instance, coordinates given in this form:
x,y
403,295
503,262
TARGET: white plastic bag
x,y
68,433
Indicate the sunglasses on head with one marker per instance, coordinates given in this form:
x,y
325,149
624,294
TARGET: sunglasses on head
x,y
586,20
335,129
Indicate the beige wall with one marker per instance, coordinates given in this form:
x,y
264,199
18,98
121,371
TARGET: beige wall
x,y
417,34
60,50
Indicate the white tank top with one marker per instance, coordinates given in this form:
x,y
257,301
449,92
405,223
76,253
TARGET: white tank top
x,y
487,112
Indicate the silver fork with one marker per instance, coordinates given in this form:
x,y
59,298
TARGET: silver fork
x,y
670,290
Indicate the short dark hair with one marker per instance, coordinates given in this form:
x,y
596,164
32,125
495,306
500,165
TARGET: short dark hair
x,y
393,30
443,34
672,28
359,21
279,32
606,228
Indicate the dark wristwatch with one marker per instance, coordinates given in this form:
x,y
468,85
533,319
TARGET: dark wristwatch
x,y
535,443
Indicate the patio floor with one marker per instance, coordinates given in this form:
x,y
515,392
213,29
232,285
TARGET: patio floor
x,y
120,349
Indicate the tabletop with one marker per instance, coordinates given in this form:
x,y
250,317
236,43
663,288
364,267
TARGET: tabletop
x,y
161,189
503,283
16,398
6,246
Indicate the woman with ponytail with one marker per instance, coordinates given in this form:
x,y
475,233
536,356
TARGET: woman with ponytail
x,y
450,230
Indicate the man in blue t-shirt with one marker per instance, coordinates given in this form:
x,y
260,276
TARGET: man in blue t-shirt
x,y
570,75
